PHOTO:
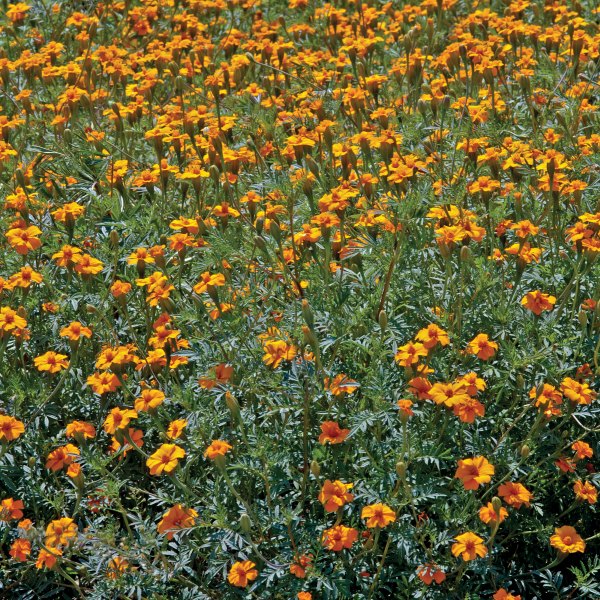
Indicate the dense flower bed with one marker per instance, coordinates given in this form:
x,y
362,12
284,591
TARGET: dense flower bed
x,y
299,299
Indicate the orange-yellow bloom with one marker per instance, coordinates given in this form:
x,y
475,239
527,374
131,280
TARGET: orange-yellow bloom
x,y
378,515
332,433
474,472
482,347
241,573
175,519
334,494
165,459
567,540
469,546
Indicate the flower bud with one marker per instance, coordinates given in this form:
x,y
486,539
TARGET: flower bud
x,y
315,468
401,469
497,504
245,523
524,451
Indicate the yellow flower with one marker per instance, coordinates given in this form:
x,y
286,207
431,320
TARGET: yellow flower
x,y
165,459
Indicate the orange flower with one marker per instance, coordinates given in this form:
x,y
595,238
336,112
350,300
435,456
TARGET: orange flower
x,y
567,541
149,399
585,491
175,429
81,428
59,532
102,383
10,428
515,494
429,573
482,347
469,546
338,537
176,518
20,549
165,459
432,335
378,515
62,457
304,596
489,515
405,408
133,436
334,494
582,450
410,354
300,565
241,573
11,509
277,351
75,331
51,362
118,418
502,594
474,472
332,433
217,448
10,320
208,282
537,302
47,558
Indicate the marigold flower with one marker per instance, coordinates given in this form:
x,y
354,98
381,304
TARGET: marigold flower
x,y
332,433
489,516
515,494
429,573
149,399
469,546
582,450
339,537
567,541
537,302
482,347
51,362
334,494
410,354
175,519
277,351
378,515
474,472
502,594
11,320
11,509
165,459
175,428
217,448
20,549
102,383
59,532
10,428
432,335
300,565
47,558
75,331
585,491
242,573
61,457
118,418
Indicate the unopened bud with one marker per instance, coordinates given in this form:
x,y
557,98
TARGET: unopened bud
x,y
315,468
401,469
307,313
497,504
524,451
245,523
383,320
